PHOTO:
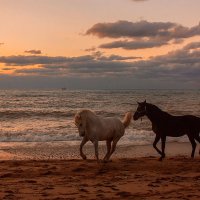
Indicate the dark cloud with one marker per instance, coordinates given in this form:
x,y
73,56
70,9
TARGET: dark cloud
x,y
39,71
180,67
33,51
193,45
98,65
183,64
8,68
189,55
95,64
142,29
98,55
68,82
22,60
129,45
177,41
91,49
142,34
117,57
1,43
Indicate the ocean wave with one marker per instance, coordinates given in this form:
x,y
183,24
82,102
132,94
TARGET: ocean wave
x,y
37,137
15,114
131,137
41,116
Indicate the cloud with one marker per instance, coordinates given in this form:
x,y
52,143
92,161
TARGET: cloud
x,y
129,45
8,68
33,51
98,55
88,65
117,57
39,71
193,45
143,29
180,67
91,49
142,34
83,65
22,60
1,43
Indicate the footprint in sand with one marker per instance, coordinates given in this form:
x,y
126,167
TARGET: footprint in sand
x,y
83,190
7,175
124,194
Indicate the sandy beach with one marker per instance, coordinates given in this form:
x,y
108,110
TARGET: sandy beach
x,y
138,175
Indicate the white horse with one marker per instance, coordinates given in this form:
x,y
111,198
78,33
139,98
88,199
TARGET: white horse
x,y
94,128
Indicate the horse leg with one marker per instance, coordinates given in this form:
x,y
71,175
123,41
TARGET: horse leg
x,y
108,143
113,147
163,139
96,150
197,137
193,143
81,148
157,138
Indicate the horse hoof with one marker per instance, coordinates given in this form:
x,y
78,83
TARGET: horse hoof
x,y
106,161
160,159
84,157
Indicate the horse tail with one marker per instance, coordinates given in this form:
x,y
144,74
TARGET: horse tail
x,y
127,119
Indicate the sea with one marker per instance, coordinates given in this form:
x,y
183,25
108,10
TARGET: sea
x,y
48,115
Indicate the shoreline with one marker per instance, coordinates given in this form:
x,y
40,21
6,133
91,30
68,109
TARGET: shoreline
x,y
67,150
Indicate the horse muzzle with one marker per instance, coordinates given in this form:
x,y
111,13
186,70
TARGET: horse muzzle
x,y
136,116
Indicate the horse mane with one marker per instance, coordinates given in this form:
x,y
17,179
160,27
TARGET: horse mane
x,y
152,106
85,113
156,109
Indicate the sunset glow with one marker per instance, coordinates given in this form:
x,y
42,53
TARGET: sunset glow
x,y
80,40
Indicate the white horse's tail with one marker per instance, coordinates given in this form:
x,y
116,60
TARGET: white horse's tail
x,y
127,119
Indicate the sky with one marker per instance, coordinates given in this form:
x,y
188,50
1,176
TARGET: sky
x,y
100,44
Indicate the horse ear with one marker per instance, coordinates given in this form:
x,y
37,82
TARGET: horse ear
x,y
145,101
77,117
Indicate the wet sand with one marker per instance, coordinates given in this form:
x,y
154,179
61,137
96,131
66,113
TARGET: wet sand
x,y
130,177
67,150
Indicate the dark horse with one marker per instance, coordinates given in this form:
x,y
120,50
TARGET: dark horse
x,y
164,124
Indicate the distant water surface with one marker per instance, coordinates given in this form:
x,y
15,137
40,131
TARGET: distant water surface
x,y
43,116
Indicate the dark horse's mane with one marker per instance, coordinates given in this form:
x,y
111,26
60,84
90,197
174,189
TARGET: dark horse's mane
x,y
152,106
153,109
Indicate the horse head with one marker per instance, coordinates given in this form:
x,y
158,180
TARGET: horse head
x,y
141,110
80,123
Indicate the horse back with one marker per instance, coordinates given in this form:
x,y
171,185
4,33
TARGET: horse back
x,y
113,126
113,123
176,126
105,129
191,122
